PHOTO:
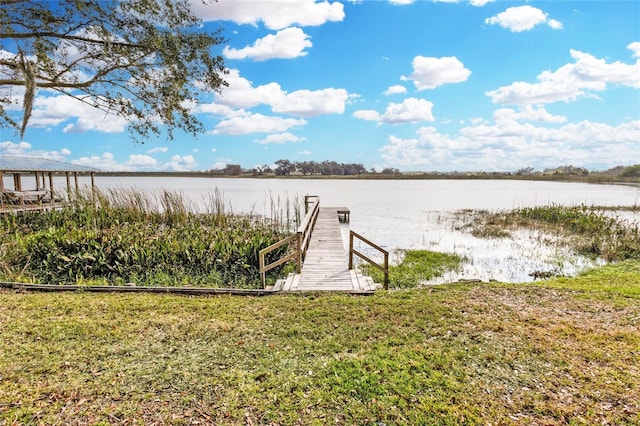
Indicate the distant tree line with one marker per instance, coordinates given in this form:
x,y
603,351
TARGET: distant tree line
x,y
326,168
284,167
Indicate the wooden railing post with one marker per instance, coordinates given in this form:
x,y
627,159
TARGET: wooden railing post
x,y
352,251
263,272
386,270
299,253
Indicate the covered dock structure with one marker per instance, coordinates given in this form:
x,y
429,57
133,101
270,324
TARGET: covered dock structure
x,y
27,183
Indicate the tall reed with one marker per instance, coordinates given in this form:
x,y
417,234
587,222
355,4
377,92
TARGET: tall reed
x,y
122,236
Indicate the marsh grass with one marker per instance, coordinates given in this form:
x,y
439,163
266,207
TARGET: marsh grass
x,y
125,236
588,230
563,351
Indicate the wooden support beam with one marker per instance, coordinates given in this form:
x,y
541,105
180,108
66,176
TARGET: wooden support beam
x,y
53,198
1,189
68,186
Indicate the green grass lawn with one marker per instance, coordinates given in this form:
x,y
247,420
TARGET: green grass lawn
x,y
563,351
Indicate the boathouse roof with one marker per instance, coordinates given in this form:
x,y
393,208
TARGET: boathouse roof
x,y
11,163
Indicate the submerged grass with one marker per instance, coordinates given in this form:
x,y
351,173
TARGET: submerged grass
x,y
588,230
126,236
415,267
562,351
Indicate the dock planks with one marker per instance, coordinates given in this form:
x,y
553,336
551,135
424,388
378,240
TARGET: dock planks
x,y
325,267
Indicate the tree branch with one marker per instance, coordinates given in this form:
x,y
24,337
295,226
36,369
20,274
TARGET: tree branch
x,y
49,34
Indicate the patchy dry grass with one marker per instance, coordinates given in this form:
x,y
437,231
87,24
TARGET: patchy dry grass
x,y
563,351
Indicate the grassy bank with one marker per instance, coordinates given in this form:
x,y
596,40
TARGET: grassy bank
x,y
563,351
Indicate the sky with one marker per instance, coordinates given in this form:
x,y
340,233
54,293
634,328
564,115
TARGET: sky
x,y
419,85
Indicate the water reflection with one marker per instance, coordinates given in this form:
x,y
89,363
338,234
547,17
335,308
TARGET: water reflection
x,y
420,214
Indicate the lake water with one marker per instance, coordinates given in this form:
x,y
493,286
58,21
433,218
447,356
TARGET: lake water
x,y
402,214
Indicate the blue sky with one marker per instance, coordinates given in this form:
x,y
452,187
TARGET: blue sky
x,y
414,85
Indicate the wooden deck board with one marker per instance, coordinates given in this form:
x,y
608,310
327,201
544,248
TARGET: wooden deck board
x,y
325,267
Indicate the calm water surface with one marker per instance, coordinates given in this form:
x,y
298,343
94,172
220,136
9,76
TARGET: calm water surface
x,y
400,214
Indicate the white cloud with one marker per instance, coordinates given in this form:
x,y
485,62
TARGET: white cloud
x,y
556,25
285,44
280,138
256,123
311,103
512,142
304,103
400,2
106,161
141,161
84,124
305,153
586,75
479,3
275,15
395,90
367,114
522,18
158,149
527,113
138,162
49,111
241,93
215,109
429,73
24,149
635,48
11,148
181,163
411,110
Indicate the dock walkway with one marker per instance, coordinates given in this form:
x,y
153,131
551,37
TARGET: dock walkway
x,y
326,265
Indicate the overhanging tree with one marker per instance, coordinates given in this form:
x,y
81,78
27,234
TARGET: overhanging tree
x,y
143,60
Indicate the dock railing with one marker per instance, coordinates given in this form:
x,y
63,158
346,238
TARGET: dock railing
x,y
302,237
352,251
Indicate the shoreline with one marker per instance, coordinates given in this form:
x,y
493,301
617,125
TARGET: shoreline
x,y
609,180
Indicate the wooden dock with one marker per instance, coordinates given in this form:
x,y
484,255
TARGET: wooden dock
x,y
326,266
